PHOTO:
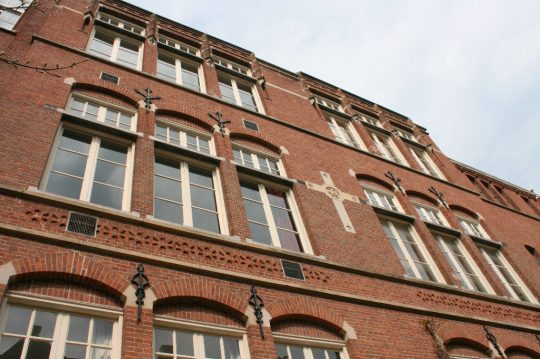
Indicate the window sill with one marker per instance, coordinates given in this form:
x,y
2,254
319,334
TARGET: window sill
x,y
485,241
187,152
443,229
393,214
119,30
384,131
101,127
264,175
413,143
8,31
334,112
235,73
180,52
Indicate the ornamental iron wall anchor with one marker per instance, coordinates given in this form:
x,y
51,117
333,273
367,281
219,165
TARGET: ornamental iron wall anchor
x,y
218,117
257,304
141,281
148,98
396,180
493,340
439,195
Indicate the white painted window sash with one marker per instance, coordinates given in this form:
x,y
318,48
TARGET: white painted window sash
x,y
178,45
253,90
182,135
473,228
178,61
339,127
425,163
519,283
431,214
116,46
255,156
308,343
381,198
102,110
122,24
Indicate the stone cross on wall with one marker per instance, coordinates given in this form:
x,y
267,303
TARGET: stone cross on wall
x,y
337,197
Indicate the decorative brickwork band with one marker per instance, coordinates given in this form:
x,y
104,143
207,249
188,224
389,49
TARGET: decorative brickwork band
x,y
141,281
257,304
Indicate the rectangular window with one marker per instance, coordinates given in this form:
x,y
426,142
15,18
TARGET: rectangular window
x,y
256,160
328,103
108,115
122,24
343,131
179,70
473,228
179,137
407,135
380,199
270,216
232,65
186,194
91,168
463,266
287,351
410,251
11,11
386,148
116,48
424,162
43,333
429,214
238,93
180,344
368,119
178,45
506,274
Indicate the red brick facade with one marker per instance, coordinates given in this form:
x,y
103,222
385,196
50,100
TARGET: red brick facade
x,y
355,298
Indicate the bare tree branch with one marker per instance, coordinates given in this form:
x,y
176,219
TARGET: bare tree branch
x,y
43,68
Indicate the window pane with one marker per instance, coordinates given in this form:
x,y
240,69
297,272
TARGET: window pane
x,y
168,211
190,76
77,106
205,220
18,320
38,350
283,218
78,329
250,191
200,177
64,185
318,353
167,188
107,196
11,348
276,198
125,121
161,132
203,198
44,324
165,70
111,117
69,163
99,353
128,54
211,347
75,352
102,334
297,352
102,44
231,348
255,211
226,90
163,341
260,233
113,152
75,142
184,343
289,240
167,168
281,351
110,173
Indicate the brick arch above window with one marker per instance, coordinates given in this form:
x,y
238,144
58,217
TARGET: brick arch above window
x,y
198,309
464,212
374,181
122,93
198,288
421,198
521,352
303,326
467,346
188,118
260,142
69,266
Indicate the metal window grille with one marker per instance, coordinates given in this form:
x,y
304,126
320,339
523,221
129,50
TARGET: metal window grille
x,y
110,78
82,223
292,269
251,125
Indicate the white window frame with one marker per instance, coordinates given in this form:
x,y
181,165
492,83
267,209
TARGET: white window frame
x,y
421,246
406,135
497,252
308,342
122,24
328,103
426,164
232,65
86,189
382,142
470,261
473,228
178,60
382,196
198,329
64,309
10,6
102,111
255,155
179,45
338,123
369,119
430,214
185,162
116,45
297,218
234,84
183,132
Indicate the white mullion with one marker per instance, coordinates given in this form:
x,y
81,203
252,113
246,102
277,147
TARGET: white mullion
x,y
102,111
221,347
307,353
474,267
198,348
178,70
128,177
236,93
175,349
59,341
457,264
86,188
220,202
404,249
255,161
116,46
186,194
269,217
244,348
28,332
182,135
202,84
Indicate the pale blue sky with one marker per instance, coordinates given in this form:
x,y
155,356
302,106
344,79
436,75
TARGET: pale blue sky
x,y
467,70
